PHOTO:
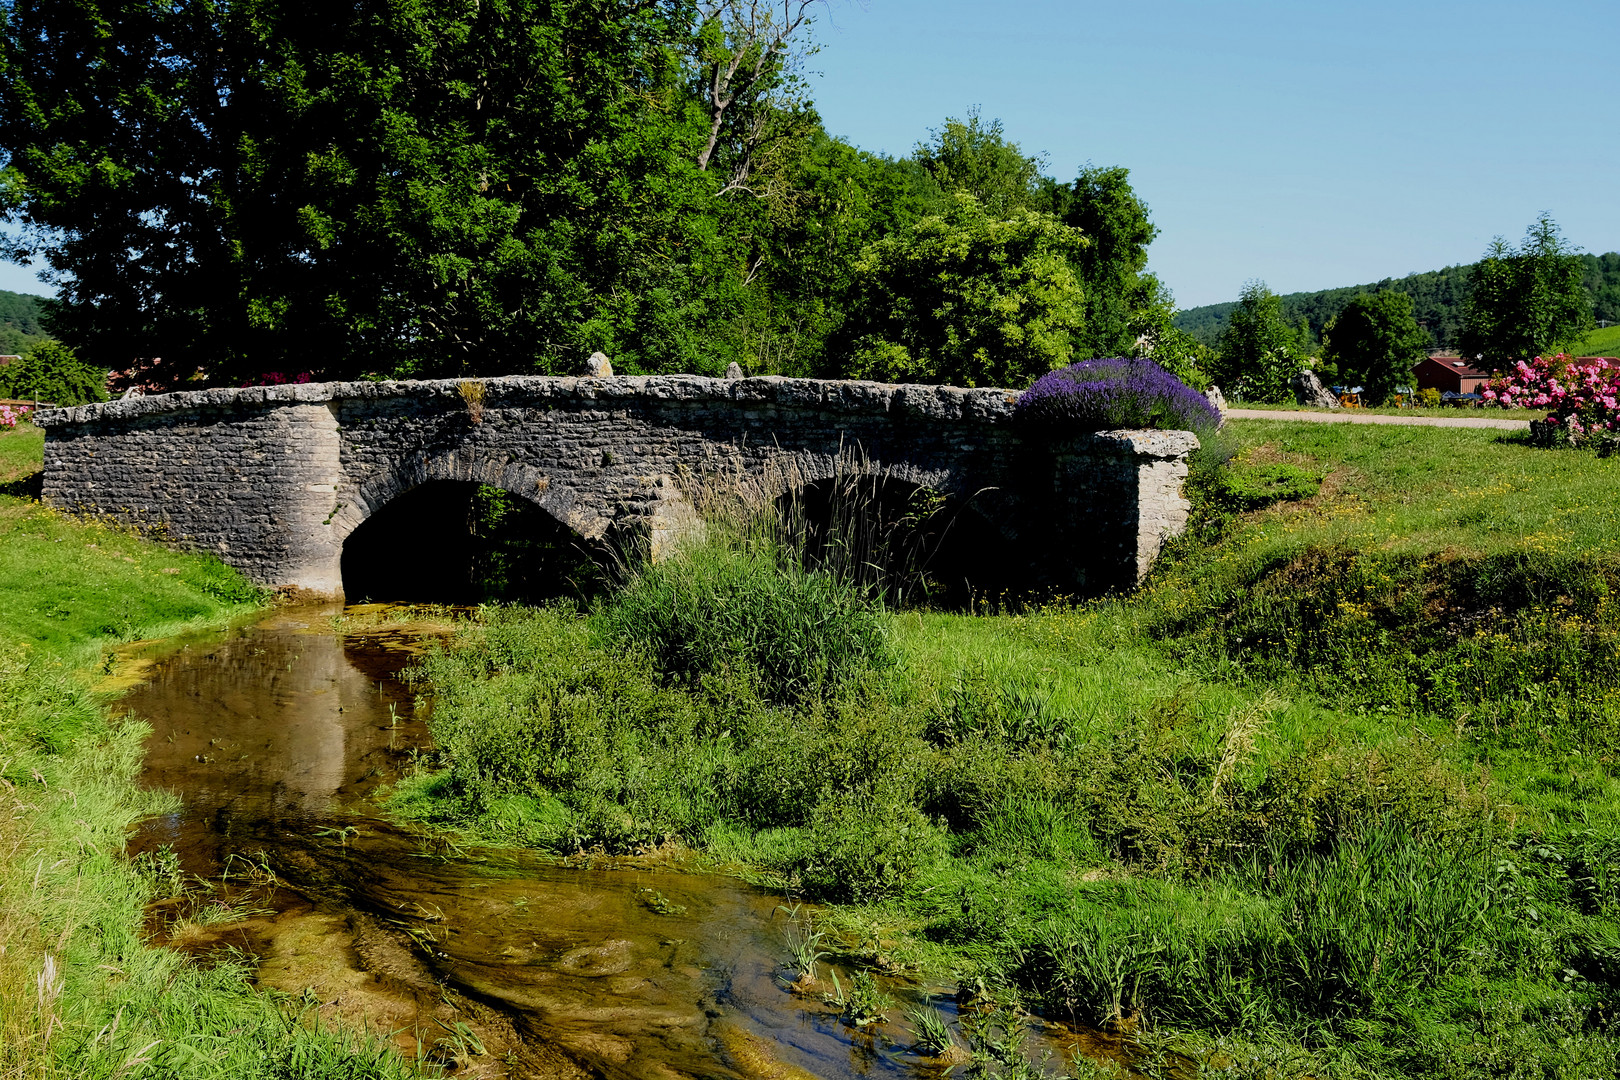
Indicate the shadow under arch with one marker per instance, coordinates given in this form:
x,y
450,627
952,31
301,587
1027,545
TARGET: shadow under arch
x,y
462,542
909,543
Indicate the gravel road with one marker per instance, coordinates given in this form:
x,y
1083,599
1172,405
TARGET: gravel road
x,y
1348,416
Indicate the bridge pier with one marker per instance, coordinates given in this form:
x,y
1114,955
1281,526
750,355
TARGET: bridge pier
x,y
274,479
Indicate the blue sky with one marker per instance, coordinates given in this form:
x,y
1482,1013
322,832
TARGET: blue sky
x,y
1307,144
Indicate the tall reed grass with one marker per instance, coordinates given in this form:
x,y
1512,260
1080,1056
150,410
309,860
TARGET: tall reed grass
x,y
746,607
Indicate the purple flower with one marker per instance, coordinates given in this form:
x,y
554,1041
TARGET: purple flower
x,y
1117,392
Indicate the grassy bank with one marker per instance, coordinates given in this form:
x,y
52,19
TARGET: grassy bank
x,y
80,994
1333,794
1602,342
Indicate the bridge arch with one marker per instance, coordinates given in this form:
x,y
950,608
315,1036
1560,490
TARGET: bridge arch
x,y
523,480
462,542
904,539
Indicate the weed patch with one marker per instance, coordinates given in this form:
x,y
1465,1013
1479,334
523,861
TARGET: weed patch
x,y
1334,794
749,609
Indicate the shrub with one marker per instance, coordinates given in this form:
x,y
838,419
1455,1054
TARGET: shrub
x,y
868,846
54,373
527,711
1117,392
1582,397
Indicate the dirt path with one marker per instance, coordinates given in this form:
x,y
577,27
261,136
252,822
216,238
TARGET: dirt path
x,y
1346,416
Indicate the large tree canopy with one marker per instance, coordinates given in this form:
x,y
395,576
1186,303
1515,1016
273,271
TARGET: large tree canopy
x,y
388,185
1376,341
248,187
1527,300
969,298
1102,205
974,157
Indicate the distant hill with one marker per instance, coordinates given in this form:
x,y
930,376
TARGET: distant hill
x,y
1438,297
20,327
1603,342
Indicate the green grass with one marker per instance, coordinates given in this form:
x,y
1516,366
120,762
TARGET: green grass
x,y
1604,342
21,449
1335,792
68,587
80,994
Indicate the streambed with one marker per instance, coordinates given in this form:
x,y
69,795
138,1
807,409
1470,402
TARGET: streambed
x,y
492,963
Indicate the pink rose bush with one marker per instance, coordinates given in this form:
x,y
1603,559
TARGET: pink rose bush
x,y
280,378
1581,397
11,414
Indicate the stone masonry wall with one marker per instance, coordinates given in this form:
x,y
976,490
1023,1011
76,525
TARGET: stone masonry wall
x,y
274,479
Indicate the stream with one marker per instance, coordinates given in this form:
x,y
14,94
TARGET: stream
x,y
276,737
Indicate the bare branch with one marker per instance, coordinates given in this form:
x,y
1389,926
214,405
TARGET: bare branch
x,y
755,40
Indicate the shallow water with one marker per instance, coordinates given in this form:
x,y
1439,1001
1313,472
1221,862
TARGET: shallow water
x,y
276,736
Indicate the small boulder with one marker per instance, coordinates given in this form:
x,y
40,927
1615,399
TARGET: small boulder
x,y
598,366
596,961
1308,390
734,370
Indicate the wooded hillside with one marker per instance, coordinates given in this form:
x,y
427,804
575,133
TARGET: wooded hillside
x,y
20,327
1438,299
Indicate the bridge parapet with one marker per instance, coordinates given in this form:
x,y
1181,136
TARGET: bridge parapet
x,y
274,479
920,401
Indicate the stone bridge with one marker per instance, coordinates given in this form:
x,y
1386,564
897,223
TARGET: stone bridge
x,y
274,480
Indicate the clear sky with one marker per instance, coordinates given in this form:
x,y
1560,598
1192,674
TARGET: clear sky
x,y
1306,143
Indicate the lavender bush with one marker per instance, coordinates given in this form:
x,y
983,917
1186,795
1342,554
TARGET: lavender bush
x,y
1116,392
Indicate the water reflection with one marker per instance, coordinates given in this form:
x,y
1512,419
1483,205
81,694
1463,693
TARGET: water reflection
x,y
276,737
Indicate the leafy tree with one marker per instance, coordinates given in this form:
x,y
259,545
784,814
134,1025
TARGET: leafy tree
x,y
966,298
1526,301
1375,341
1258,352
1123,302
747,78
1155,335
53,373
976,158
422,188
1103,206
828,203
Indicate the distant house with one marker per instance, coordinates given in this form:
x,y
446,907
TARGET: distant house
x,y
4,360
1451,373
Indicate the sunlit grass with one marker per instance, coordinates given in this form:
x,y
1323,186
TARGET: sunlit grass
x,y
21,451
1335,790
1604,341
81,996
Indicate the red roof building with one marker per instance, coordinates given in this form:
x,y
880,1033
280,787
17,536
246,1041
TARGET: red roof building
x,y
1451,373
